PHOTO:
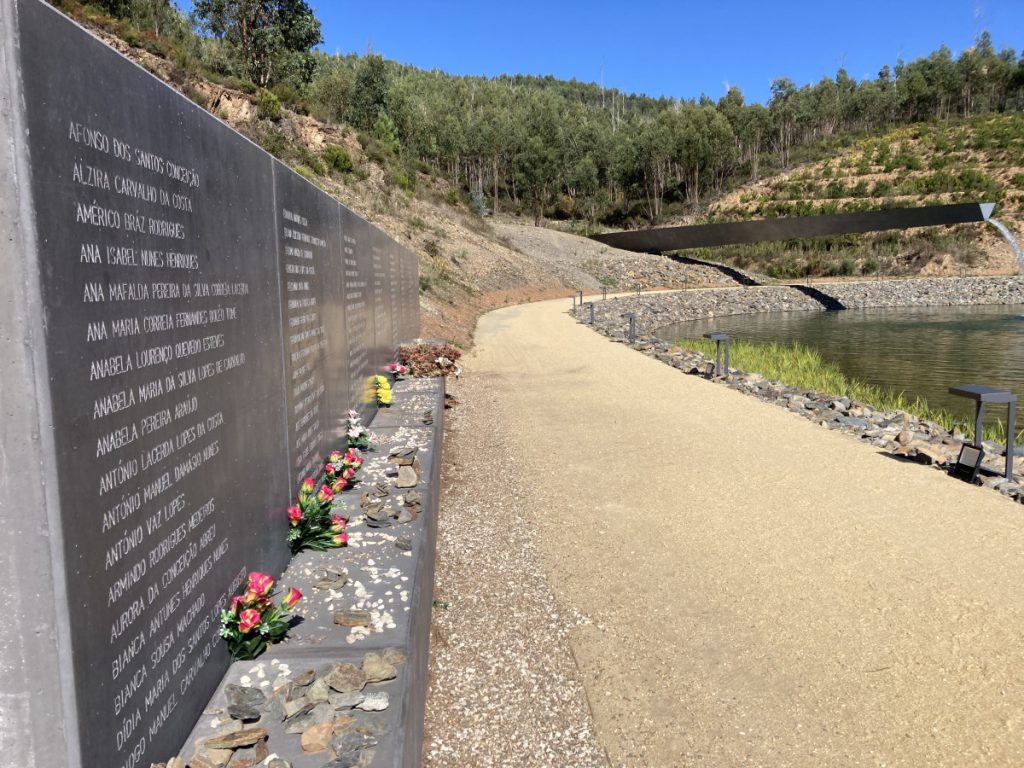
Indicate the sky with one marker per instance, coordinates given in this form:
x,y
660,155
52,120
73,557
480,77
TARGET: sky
x,y
683,49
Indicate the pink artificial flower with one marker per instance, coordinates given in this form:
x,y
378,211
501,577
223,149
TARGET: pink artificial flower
x,y
329,468
307,485
351,456
338,485
335,456
349,473
292,596
294,515
324,494
236,603
248,620
340,539
259,583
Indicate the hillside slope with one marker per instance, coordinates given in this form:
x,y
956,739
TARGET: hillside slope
x,y
470,264
923,164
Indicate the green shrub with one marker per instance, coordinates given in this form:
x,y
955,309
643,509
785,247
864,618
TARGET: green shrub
x,y
835,189
376,152
310,160
269,106
337,158
403,180
197,96
305,172
882,188
274,141
241,84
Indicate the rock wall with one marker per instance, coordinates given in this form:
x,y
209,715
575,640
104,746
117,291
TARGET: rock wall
x,y
654,311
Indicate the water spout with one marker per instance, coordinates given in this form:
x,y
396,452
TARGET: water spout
x,y
1009,238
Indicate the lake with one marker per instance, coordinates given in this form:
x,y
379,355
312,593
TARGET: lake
x,y
917,350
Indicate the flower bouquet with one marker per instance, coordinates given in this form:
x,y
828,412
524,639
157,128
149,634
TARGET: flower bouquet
x,y
341,469
358,435
397,371
382,391
313,525
253,621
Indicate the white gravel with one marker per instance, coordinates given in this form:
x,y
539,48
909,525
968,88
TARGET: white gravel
x,y
505,689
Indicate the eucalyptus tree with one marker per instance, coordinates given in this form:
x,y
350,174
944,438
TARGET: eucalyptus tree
x,y
273,38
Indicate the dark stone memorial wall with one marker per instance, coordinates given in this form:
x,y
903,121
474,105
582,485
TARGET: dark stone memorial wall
x,y
186,321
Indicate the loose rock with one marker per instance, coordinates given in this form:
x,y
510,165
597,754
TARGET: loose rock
x,y
346,678
317,738
376,669
244,738
374,702
353,618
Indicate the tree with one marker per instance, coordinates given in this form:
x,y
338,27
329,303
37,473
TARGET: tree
x,y
272,37
538,162
782,112
370,94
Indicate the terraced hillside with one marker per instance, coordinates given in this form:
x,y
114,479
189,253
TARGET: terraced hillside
x,y
923,164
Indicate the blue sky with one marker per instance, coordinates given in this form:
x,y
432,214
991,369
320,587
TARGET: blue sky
x,y
681,48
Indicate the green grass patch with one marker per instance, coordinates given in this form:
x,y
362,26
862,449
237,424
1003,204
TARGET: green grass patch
x,y
799,366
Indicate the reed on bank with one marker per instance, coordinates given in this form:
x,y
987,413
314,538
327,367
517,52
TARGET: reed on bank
x,y
796,365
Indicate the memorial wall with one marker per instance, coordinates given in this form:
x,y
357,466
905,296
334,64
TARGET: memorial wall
x,y
188,322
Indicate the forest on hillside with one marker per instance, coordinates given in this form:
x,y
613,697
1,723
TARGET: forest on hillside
x,y
553,148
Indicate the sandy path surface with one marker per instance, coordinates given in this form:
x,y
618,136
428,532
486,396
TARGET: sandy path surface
x,y
760,590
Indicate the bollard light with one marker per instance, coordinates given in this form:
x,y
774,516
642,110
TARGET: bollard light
x,y
981,394
719,338
632,326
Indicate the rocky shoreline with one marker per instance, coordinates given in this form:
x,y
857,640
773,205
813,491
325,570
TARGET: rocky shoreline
x,y
898,433
657,310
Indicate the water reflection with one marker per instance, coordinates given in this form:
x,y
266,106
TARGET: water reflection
x,y
916,350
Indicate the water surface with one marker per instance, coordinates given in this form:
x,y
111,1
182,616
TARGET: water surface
x,y
917,350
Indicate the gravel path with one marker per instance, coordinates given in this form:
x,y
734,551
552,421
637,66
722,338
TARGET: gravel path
x,y
759,590
505,689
